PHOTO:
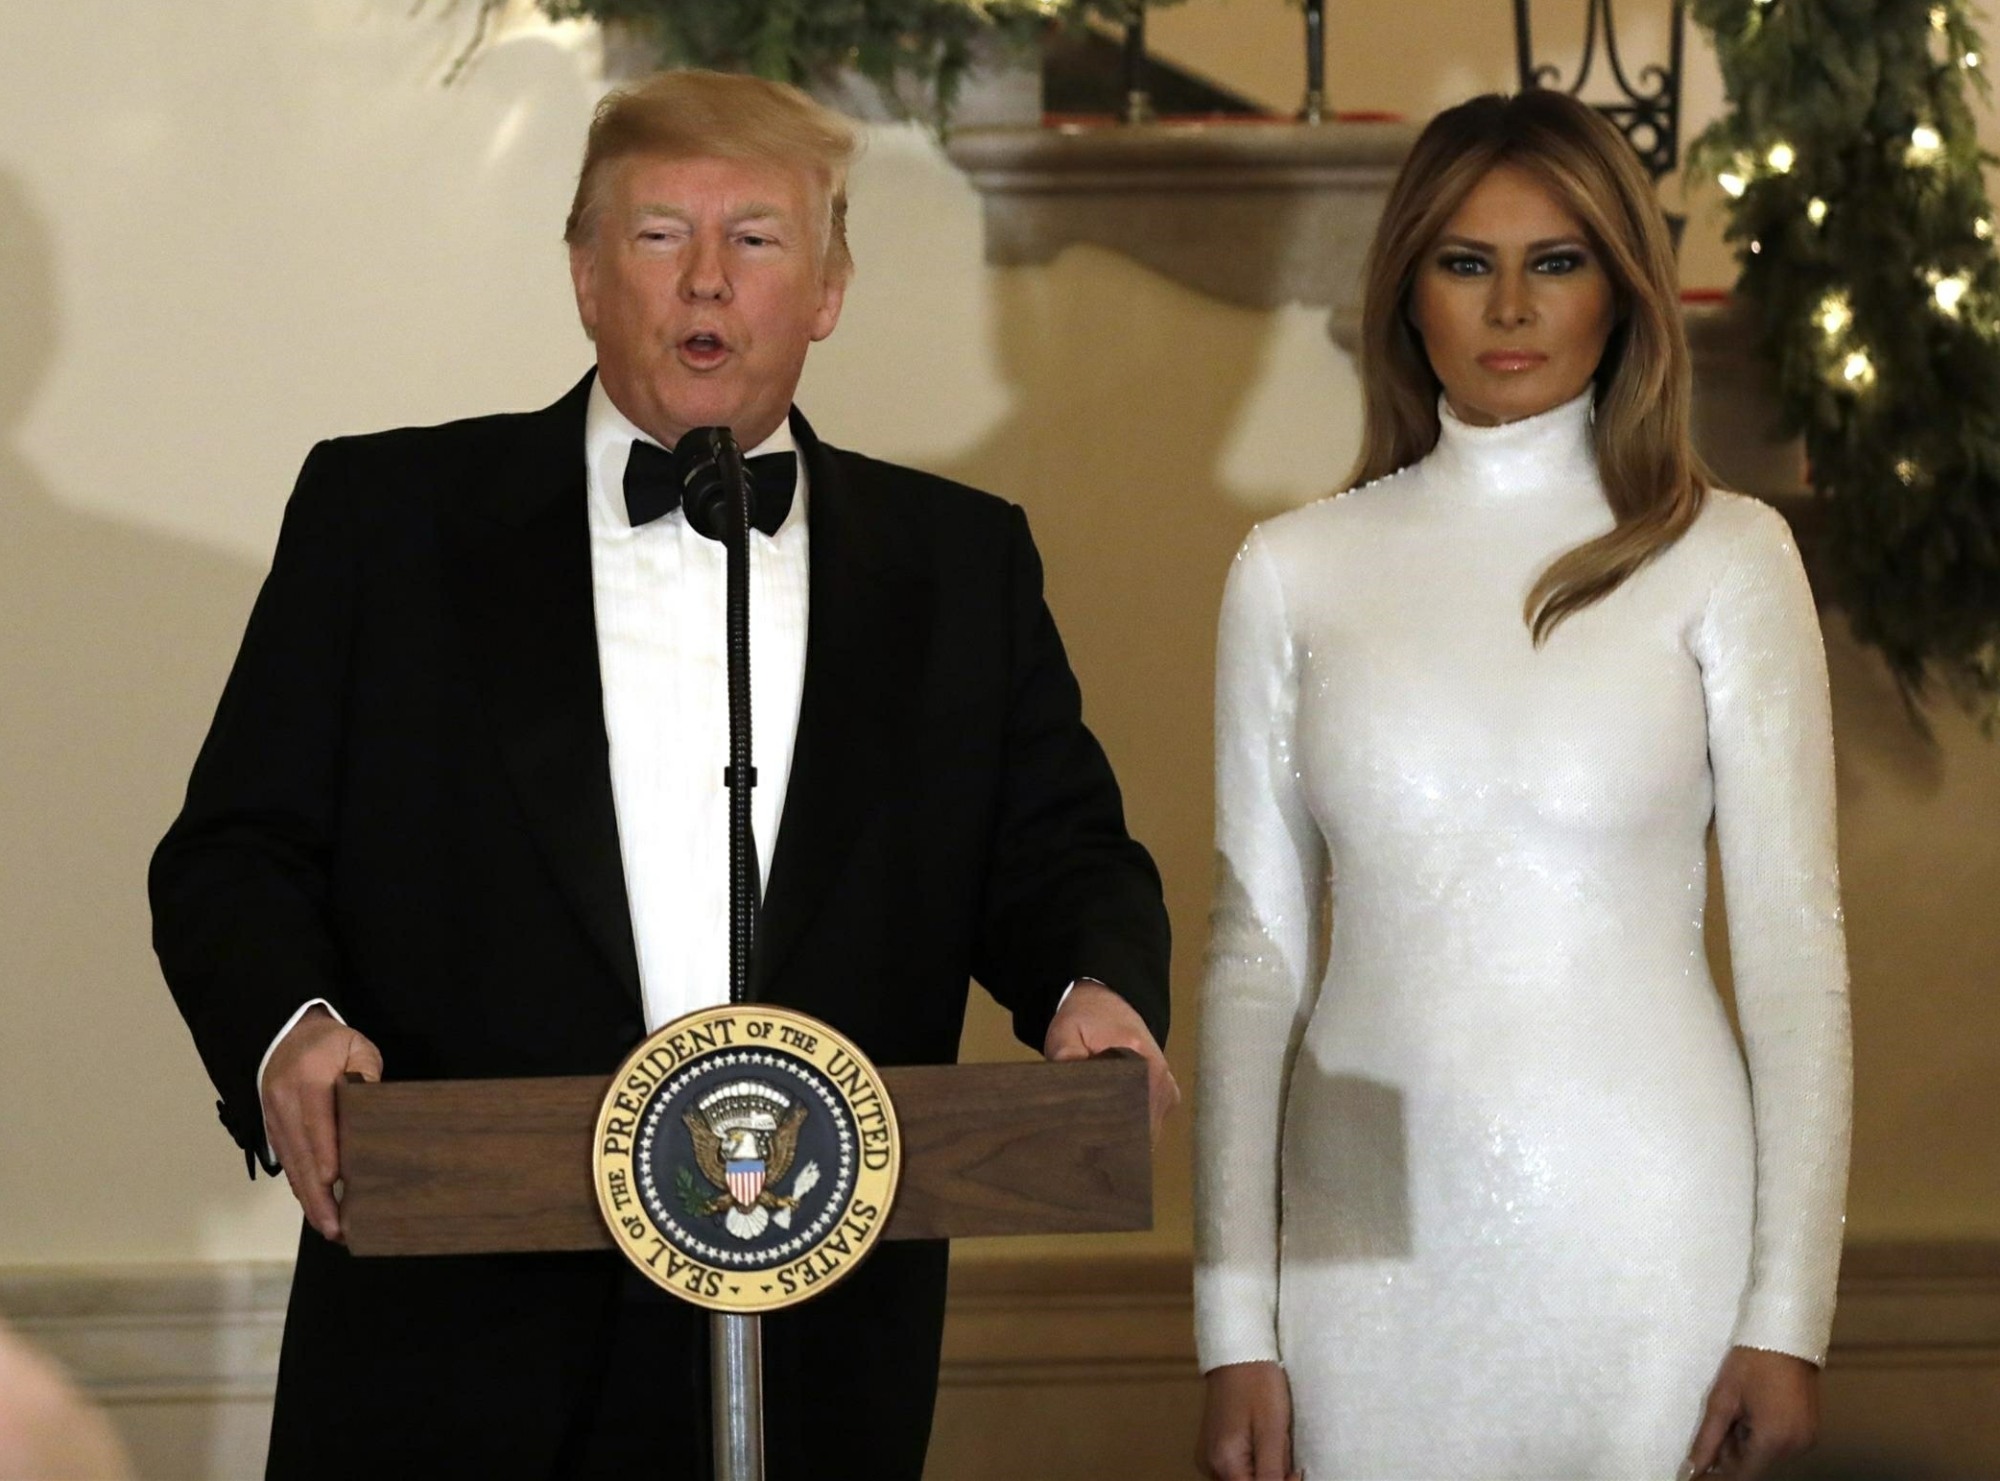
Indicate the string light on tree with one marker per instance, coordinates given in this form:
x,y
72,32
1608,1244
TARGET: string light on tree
x,y
1947,291
1908,471
1858,370
1816,211
1781,157
1926,143
1835,315
1982,227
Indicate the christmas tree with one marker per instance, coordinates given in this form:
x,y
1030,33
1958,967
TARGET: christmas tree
x,y
1861,223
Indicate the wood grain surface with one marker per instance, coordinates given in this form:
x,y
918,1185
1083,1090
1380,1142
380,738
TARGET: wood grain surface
x,y
435,1167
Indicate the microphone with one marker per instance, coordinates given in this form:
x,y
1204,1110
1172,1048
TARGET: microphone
x,y
707,462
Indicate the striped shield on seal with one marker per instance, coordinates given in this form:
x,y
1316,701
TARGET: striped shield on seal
x,y
746,1180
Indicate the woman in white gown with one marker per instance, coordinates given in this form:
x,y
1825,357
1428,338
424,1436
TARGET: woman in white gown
x,y
1495,1194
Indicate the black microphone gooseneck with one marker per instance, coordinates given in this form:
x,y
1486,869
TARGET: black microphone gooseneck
x,y
715,494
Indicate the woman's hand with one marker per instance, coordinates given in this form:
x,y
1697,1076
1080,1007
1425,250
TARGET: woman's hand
x,y
1764,1408
1246,1425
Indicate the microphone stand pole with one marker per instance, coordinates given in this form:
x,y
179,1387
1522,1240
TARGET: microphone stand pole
x,y
736,1354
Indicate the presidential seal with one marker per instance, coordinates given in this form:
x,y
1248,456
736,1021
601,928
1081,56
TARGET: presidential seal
x,y
746,1157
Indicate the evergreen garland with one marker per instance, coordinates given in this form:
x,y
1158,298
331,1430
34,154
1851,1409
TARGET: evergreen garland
x,y
1865,239
907,48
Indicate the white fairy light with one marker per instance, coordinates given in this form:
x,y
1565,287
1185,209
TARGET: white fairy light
x,y
1925,145
1835,314
1781,157
1816,211
1947,291
1971,60
1982,227
1940,18
1732,183
1857,369
1755,246
1908,471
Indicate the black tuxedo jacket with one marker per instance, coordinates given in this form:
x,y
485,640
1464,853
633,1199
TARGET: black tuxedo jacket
x,y
404,807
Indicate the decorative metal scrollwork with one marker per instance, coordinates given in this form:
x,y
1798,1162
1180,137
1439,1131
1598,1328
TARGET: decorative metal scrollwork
x,y
1138,102
1648,113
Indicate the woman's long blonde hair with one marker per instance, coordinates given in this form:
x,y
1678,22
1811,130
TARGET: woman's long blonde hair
x,y
1653,480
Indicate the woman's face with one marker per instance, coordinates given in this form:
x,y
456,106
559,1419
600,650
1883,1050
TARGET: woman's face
x,y
1512,302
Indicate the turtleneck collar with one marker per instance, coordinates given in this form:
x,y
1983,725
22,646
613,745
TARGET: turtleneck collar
x,y
1551,452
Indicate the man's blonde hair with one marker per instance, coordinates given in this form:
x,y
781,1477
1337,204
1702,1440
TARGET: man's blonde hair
x,y
693,114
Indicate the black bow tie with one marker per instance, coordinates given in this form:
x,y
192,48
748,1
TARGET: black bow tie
x,y
651,489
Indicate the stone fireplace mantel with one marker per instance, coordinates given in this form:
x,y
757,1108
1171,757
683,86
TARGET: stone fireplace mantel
x,y
1257,214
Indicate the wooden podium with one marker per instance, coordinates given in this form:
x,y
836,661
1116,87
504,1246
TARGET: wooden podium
x,y
456,1167
459,1167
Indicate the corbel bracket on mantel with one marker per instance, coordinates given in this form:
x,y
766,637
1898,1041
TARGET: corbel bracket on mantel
x,y
1254,214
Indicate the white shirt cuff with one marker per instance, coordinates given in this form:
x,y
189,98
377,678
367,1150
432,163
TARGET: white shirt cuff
x,y
1074,985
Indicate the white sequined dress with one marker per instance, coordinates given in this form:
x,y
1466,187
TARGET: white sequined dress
x,y
1489,1184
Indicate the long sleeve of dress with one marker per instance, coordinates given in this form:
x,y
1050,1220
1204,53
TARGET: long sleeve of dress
x,y
1771,753
1259,985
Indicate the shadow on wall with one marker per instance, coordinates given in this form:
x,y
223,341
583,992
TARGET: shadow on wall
x,y
112,652
1114,444
1124,393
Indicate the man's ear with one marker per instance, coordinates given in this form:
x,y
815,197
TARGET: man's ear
x,y
833,293
583,278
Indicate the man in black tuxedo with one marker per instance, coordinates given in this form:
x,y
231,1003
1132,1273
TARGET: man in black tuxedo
x,y
459,814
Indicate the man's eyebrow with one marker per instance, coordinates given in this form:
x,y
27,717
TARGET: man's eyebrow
x,y
751,211
1537,246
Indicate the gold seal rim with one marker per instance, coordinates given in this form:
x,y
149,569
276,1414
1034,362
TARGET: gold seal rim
x,y
865,1180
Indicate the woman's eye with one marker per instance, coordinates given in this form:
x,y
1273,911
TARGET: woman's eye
x,y
1462,264
1558,263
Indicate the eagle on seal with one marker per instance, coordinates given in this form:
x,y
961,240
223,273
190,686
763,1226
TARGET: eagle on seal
x,y
714,1149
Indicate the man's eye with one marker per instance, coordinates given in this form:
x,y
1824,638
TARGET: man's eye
x,y
756,239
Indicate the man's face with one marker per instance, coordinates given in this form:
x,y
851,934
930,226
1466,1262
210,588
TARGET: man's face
x,y
703,288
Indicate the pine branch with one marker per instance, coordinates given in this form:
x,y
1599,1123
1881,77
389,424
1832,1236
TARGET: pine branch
x,y
915,52
1866,246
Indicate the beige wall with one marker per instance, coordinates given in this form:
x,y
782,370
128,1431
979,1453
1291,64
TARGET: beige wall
x,y
228,228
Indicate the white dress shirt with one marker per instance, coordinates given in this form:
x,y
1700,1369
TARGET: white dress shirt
x,y
659,593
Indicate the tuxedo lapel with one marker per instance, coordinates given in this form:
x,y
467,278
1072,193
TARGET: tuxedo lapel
x,y
867,631
517,572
